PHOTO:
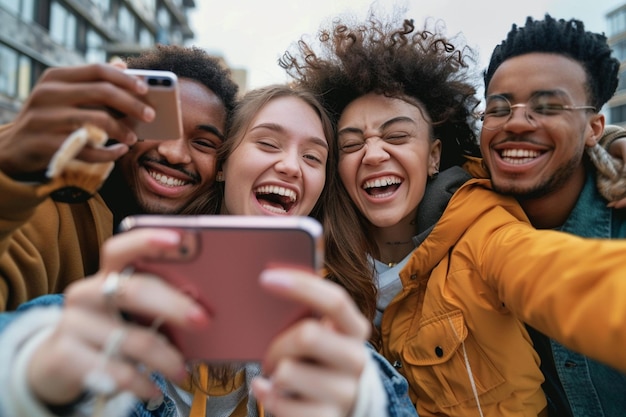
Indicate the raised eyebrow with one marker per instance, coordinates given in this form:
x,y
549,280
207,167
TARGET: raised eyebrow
x,y
212,129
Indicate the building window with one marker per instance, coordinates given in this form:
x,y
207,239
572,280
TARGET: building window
x,y
163,18
617,22
126,22
62,26
24,9
103,5
95,47
619,50
145,38
8,71
24,77
618,114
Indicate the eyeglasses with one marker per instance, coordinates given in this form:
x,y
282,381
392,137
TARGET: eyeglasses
x,y
538,109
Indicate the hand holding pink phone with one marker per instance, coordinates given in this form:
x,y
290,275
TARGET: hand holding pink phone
x,y
220,268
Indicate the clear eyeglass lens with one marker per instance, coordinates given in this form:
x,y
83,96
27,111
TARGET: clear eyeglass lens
x,y
499,110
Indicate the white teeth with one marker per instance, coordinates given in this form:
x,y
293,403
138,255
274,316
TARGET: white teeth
x,y
519,156
382,182
519,153
166,180
275,189
277,210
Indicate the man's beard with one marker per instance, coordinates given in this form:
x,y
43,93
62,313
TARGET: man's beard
x,y
545,187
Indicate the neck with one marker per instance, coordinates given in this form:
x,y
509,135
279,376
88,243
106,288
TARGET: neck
x,y
395,242
552,210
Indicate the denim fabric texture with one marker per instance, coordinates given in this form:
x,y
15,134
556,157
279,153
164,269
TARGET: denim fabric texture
x,y
591,388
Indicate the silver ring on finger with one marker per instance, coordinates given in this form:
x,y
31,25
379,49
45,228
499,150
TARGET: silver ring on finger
x,y
113,285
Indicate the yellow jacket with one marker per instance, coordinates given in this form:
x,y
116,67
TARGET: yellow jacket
x,y
455,331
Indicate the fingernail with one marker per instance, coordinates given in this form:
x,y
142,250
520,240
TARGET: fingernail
x,y
276,277
198,316
131,138
141,87
148,114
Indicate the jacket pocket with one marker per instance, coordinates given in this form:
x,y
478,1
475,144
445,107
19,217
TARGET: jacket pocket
x,y
446,361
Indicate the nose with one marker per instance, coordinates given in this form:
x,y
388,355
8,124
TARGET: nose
x,y
375,151
289,163
520,121
175,151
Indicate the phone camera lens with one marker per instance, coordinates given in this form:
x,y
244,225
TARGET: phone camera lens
x,y
167,82
153,81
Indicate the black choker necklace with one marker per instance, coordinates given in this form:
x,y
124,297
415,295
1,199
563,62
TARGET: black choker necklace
x,y
398,242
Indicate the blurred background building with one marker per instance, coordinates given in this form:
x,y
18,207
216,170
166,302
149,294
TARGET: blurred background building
x,y
37,34
616,32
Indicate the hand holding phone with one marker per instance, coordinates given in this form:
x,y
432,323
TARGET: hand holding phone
x,y
219,266
163,96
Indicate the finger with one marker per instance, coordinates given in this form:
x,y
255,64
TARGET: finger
x,y
315,384
322,296
62,121
124,248
102,154
95,95
311,341
143,296
618,204
95,72
280,404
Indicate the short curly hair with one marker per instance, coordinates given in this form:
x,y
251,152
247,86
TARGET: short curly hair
x,y
397,60
193,63
568,38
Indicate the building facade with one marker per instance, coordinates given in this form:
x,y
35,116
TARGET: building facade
x,y
616,33
37,34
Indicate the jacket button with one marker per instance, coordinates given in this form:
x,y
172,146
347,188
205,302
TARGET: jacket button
x,y
397,364
439,351
413,276
570,364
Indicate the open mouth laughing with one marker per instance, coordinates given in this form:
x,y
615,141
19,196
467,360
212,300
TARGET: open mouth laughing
x,y
383,186
276,199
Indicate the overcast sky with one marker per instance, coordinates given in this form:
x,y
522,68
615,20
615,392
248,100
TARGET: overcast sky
x,y
253,34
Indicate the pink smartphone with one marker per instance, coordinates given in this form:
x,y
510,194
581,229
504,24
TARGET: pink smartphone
x,y
163,96
219,264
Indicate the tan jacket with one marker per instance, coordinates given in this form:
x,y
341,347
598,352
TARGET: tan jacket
x,y
45,245
454,331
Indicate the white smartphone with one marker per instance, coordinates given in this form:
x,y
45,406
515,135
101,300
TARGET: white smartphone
x,y
219,264
163,96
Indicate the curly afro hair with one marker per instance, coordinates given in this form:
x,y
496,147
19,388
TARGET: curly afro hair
x,y
193,63
568,38
399,61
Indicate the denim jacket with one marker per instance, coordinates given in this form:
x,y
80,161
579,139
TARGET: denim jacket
x,y
590,388
396,387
